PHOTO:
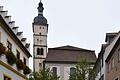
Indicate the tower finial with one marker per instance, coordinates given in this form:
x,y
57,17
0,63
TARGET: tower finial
x,y
40,8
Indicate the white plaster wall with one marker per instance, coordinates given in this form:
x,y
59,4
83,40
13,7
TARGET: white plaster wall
x,y
63,70
36,64
12,75
66,72
40,41
5,37
38,38
42,30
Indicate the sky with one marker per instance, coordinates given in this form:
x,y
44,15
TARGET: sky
x,y
79,23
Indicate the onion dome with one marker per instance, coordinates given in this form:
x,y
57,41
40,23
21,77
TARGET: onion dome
x,y
40,19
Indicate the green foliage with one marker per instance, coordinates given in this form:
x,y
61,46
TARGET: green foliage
x,y
26,70
44,74
2,49
20,65
82,70
92,74
11,59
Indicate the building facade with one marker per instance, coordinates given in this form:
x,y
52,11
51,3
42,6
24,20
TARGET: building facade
x,y
109,57
113,60
13,49
63,60
40,30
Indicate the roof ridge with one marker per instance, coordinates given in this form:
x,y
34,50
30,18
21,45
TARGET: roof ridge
x,y
69,47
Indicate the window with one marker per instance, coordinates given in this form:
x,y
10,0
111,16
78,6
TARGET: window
x,y
54,70
9,45
72,71
40,65
7,78
113,63
24,61
18,54
38,51
42,51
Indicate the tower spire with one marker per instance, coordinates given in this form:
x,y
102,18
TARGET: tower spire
x,y
40,8
40,19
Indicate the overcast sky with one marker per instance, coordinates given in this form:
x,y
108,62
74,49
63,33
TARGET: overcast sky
x,y
80,23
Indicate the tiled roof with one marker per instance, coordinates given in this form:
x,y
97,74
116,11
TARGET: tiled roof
x,y
68,47
70,54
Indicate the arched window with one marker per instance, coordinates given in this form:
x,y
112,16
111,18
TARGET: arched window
x,y
41,52
72,70
54,71
38,51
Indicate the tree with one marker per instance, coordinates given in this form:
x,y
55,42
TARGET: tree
x,y
44,74
82,72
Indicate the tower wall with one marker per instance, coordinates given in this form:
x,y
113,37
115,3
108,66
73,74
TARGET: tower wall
x,y
40,30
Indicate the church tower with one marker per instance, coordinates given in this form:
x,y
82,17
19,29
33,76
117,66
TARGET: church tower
x,y
40,30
